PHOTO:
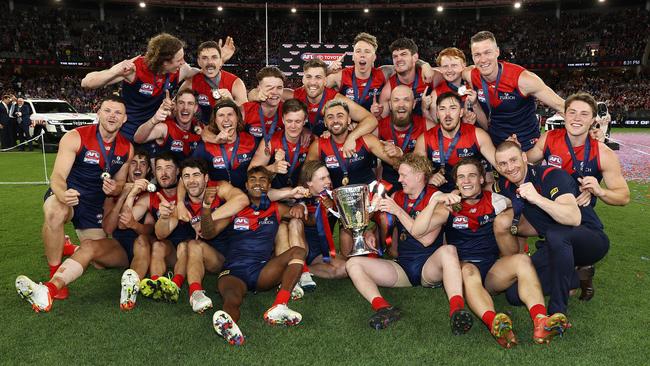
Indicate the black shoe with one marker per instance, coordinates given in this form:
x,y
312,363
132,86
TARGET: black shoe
x,y
384,317
586,275
461,322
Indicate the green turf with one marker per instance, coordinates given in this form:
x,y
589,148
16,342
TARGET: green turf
x,y
89,328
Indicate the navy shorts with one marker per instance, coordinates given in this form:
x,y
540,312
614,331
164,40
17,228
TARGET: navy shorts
x,y
413,268
247,271
126,238
483,265
86,215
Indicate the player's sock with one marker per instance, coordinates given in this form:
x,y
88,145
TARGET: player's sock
x,y
305,268
53,269
178,280
52,288
488,318
155,277
536,310
379,303
68,247
282,297
455,303
195,286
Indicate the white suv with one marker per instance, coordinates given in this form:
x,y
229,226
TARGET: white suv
x,y
56,117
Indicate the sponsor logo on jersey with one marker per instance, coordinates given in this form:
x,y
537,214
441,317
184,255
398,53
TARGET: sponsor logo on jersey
x,y
255,131
146,89
464,153
555,161
244,157
506,96
482,220
460,222
203,100
356,157
265,221
177,146
331,162
241,224
218,162
91,157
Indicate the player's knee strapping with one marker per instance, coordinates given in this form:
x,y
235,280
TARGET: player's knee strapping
x,y
301,262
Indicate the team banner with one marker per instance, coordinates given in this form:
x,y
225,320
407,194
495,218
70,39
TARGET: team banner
x,y
294,55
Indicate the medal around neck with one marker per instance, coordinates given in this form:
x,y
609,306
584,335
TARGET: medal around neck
x,y
151,187
105,175
216,94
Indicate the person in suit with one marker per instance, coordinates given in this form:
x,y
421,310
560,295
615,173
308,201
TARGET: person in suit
x,y
5,121
22,112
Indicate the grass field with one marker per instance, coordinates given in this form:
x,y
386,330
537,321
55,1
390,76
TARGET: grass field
x,y
88,328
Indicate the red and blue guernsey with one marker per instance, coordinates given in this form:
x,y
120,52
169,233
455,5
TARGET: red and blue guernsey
x,y
94,158
508,110
358,168
252,242
253,116
411,253
315,118
362,91
183,230
418,86
228,162
470,229
559,153
405,140
144,95
462,145
551,183
219,242
202,85
295,155
181,143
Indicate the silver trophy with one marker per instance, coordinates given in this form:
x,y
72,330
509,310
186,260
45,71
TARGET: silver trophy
x,y
353,203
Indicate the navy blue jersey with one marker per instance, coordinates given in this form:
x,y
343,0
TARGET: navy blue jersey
x,y
359,167
231,166
509,110
144,95
90,163
252,235
470,229
551,183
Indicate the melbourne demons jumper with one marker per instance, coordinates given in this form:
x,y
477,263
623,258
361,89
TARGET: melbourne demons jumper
x,y
183,230
316,122
413,254
230,161
144,95
357,169
202,86
462,145
418,86
219,242
507,109
470,231
447,87
317,242
126,237
181,143
295,155
93,158
559,153
253,116
405,140
362,91
251,243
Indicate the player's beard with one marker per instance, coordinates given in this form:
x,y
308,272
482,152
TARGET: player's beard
x,y
402,122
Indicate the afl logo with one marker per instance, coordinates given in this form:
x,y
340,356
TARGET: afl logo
x,y
555,161
146,89
218,162
331,161
177,146
91,157
241,224
203,100
461,222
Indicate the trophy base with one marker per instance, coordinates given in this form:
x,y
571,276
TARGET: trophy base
x,y
358,253
359,247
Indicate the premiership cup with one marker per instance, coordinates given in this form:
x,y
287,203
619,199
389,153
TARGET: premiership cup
x,y
353,202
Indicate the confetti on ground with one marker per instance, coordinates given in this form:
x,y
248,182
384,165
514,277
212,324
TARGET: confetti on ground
x,y
634,154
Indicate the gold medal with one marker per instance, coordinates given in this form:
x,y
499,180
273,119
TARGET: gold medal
x,y
345,180
514,229
105,175
457,207
402,236
215,94
267,150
